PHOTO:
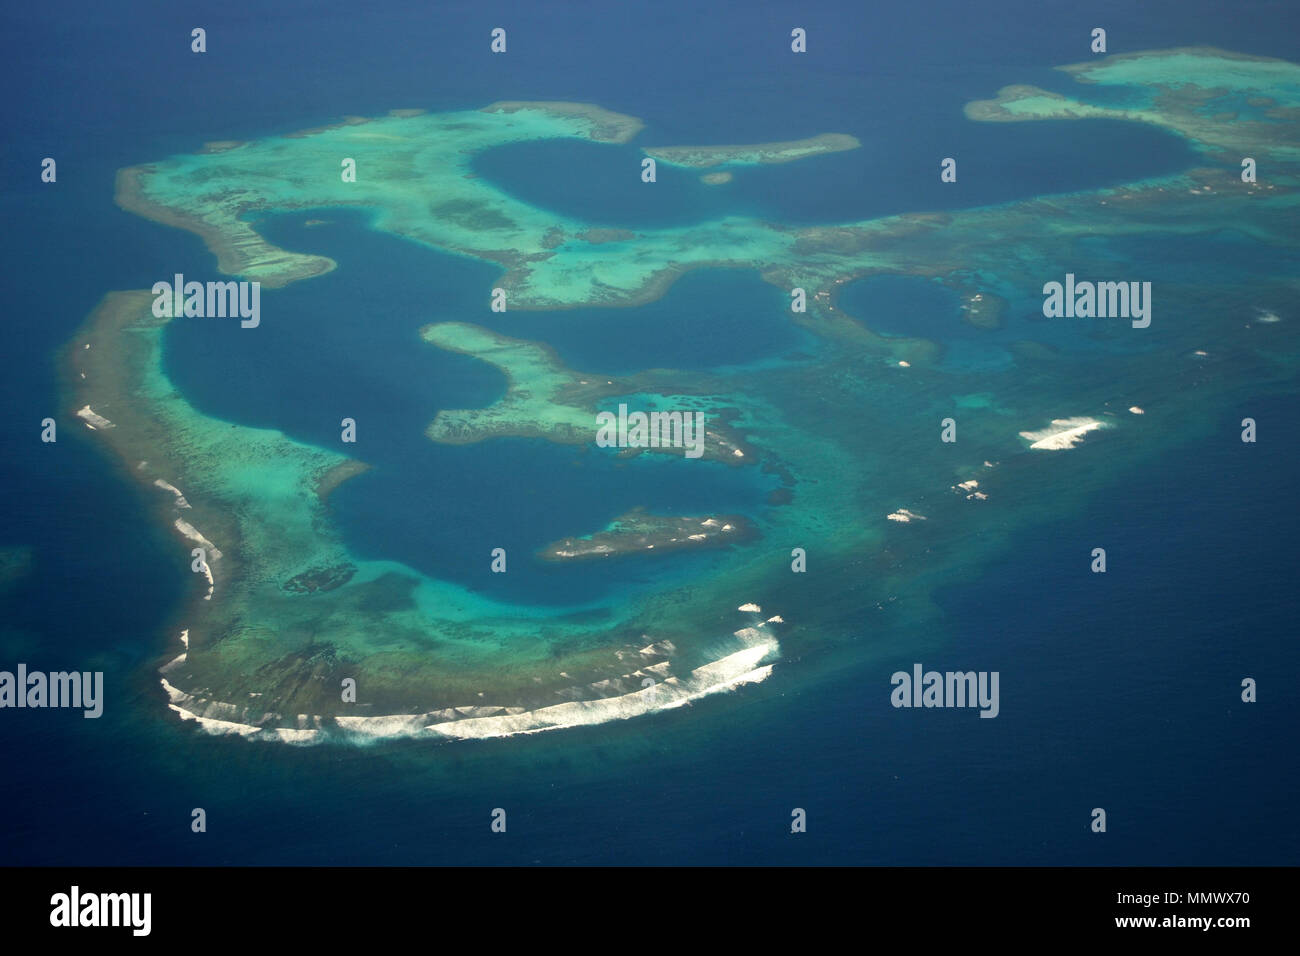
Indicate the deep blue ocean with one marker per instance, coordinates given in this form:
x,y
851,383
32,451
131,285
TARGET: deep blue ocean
x,y
1127,698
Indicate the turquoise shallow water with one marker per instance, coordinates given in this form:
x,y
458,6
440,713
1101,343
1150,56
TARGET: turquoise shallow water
x,y
442,509
709,319
1107,720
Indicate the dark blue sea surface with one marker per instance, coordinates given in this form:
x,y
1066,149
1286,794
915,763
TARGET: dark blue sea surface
x,y
995,163
1119,691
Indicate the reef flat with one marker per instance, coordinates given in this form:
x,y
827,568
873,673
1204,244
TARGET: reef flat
x,y
1222,102
288,613
701,157
546,400
553,262
637,532
534,405
878,503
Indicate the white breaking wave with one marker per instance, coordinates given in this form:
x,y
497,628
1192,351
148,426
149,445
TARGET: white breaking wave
x,y
478,721
168,486
1062,434
93,421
